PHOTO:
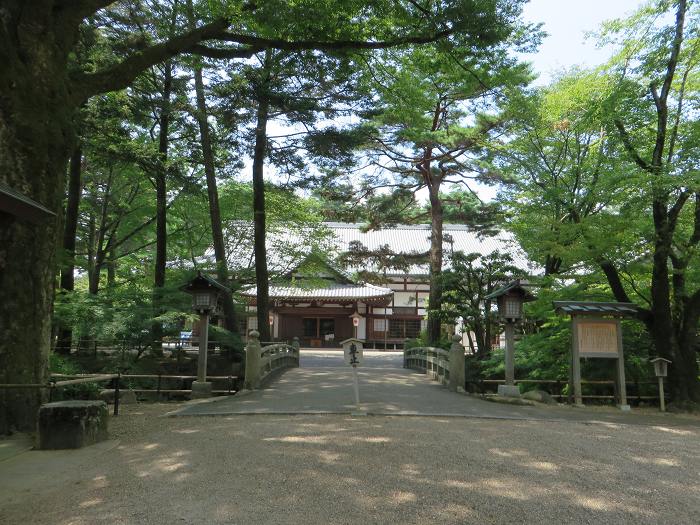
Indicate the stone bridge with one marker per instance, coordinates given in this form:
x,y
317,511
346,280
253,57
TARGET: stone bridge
x,y
323,384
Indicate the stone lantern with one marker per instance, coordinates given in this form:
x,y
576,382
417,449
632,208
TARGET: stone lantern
x,y
510,300
661,371
205,293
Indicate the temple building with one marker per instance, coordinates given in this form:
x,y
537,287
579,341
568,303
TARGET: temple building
x,y
372,285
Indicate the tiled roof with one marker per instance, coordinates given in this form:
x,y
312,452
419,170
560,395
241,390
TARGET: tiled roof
x,y
287,248
333,292
415,239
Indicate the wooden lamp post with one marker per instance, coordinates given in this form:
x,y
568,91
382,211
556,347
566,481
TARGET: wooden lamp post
x,y
510,300
205,294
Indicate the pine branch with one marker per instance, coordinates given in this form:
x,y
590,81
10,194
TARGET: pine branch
x,y
331,45
122,74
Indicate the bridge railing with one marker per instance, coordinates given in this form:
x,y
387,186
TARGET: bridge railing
x,y
435,362
441,365
262,361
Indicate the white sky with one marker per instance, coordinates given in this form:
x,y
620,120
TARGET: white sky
x,y
567,22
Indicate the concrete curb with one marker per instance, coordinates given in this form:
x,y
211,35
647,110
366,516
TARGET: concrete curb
x,y
350,413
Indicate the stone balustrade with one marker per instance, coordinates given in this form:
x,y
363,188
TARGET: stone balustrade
x,y
262,361
444,366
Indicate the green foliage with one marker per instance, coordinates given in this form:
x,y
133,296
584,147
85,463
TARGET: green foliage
x,y
543,347
422,340
466,284
66,365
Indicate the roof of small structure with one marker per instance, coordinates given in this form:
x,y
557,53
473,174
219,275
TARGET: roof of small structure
x,y
19,205
516,286
593,307
333,292
202,280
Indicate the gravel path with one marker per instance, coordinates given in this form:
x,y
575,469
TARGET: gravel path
x,y
330,469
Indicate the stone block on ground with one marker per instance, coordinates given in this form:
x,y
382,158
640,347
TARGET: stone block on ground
x,y
201,389
540,396
126,397
72,424
508,390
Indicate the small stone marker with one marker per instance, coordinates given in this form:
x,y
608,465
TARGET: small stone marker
x,y
72,424
353,351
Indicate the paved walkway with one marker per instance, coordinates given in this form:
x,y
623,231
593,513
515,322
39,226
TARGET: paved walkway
x,y
323,385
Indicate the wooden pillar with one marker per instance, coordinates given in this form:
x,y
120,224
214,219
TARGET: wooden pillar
x,y
575,361
621,381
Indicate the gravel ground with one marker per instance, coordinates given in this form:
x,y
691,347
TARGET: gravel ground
x,y
343,470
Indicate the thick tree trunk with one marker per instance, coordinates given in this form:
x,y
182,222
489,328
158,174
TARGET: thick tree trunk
x,y
230,321
67,282
435,296
36,138
161,207
261,273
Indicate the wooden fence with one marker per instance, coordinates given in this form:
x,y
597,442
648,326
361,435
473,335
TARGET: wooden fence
x,y
556,388
63,380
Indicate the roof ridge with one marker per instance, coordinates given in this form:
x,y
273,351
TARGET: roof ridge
x,y
421,226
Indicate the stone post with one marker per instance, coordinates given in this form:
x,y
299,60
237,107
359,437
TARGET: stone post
x,y
297,346
201,387
510,353
252,361
456,364
509,389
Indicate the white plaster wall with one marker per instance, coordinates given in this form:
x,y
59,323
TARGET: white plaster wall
x,y
362,329
404,299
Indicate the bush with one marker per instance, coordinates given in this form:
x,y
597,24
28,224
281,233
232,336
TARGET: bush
x,y
65,365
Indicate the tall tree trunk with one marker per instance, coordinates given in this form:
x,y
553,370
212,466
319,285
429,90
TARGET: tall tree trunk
x,y
36,139
112,262
230,321
261,273
435,296
667,319
67,282
161,207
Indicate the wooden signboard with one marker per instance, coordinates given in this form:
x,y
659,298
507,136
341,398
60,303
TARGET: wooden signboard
x,y
598,338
